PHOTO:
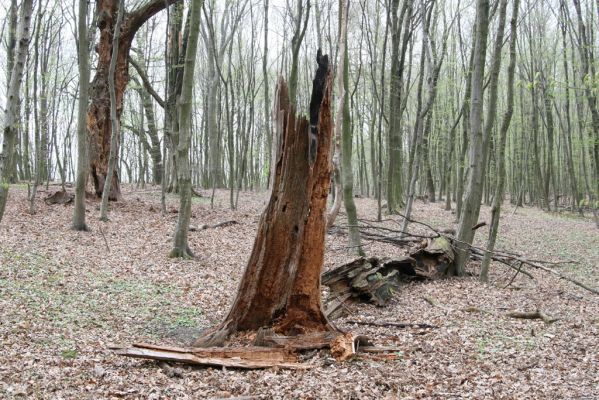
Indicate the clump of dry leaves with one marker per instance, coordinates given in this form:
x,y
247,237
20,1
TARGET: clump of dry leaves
x,y
66,296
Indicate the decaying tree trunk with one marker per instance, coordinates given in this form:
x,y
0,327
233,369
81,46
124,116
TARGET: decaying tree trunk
x,y
280,289
376,280
98,113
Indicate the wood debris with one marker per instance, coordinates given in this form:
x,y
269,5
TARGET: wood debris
x,y
231,357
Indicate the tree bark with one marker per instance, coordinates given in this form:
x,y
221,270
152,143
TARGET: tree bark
x,y
400,23
114,119
347,178
98,114
472,198
180,246
84,72
11,112
500,150
281,284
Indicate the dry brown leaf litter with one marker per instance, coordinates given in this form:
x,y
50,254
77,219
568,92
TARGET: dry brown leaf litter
x,y
64,297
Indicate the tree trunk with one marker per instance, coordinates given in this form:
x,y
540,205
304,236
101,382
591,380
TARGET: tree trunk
x,y
267,129
180,246
281,284
471,206
114,118
400,23
83,54
347,178
98,114
11,115
500,150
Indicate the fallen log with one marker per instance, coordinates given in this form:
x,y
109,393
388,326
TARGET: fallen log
x,y
376,280
253,357
392,236
59,197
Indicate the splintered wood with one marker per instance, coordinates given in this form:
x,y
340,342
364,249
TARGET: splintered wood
x,y
231,357
376,280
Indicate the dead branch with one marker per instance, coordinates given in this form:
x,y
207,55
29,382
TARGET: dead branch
x,y
532,315
479,225
104,237
387,324
476,253
219,225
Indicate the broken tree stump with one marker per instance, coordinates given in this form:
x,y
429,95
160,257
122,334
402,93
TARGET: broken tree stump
x,y
280,287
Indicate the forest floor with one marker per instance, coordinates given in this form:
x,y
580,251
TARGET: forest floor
x,y
65,297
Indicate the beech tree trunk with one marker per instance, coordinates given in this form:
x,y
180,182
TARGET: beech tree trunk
x,y
98,113
11,114
280,288
180,245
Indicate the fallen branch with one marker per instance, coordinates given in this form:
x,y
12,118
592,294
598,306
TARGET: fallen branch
x,y
531,315
104,237
476,253
387,324
219,225
498,255
479,225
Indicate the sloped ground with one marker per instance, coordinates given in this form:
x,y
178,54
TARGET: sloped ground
x,y
66,296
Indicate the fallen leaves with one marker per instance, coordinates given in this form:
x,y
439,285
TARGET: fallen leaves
x,y
64,298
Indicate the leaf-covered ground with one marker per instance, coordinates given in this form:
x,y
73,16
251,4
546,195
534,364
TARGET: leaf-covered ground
x,y
66,296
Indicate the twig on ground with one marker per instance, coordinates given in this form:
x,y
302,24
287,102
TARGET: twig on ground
x,y
104,237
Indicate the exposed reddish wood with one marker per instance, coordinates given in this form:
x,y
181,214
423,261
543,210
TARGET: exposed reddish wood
x,y
98,113
308,341
281,284
238,357
343,347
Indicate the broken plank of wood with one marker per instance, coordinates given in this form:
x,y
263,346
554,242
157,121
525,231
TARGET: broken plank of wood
x,y
231,357
532,315
336,307
308,341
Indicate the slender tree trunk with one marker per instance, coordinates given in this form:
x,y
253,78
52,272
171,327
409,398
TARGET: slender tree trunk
x,y
472,198
401,28
11,116
346,136
301,23
500,149
180,245
267,130
84,72
585,47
